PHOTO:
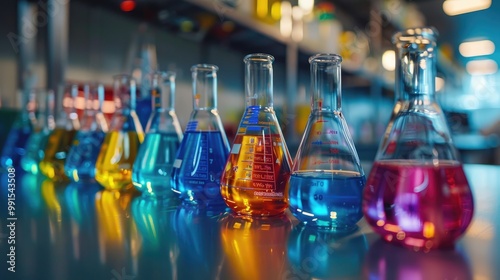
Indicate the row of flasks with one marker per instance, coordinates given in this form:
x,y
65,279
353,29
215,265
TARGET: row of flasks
x,y
416,195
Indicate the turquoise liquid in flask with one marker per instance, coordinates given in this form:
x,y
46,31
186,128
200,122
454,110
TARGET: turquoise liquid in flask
x,y
82,156
151,173
327,181
204,149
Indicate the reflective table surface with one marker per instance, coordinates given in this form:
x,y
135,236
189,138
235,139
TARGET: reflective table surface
x,y
82,232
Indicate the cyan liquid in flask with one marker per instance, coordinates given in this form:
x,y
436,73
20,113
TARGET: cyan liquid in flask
x,y
256,174
15,145
82,157
35,146
204,149
417,184
60,139
326,186
121,144
152,170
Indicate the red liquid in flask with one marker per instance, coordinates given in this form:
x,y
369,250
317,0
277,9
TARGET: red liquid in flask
x,y
417,205
255,177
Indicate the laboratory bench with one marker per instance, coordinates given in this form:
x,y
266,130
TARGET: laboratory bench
x,y
83,232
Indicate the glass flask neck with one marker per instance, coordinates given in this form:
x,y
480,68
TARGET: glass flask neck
x,y
326,83
204,86
415,64
259,80
65,111
93,118
163,91
124,94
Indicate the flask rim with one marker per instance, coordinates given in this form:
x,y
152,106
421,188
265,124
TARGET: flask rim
x,y
411,35
204,67
325,58
163,74
258,57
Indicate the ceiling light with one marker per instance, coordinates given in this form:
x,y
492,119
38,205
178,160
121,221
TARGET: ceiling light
x,y
389,60
482,67
476,48
439,84
457,7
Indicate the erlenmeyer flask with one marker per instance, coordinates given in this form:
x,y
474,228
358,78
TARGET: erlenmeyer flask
x,y
120,146
60,139
204,148
417,194
15,144
327,181
82,157
35,146
258,168
151,173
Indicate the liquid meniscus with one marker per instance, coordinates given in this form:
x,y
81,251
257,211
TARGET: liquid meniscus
x,y
153,167
56,152
256,175
198,167
116,158
327,199
80,164
418,205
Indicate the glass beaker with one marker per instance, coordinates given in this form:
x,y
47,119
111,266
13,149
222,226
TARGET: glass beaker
x,y
35,146
121,144
61,137
204,148
15,145
152,170
417,194
255,178
82,157
327,181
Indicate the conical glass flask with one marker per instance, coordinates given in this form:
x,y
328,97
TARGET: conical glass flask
x,y
35,146
417,194
152,170
327,181
258,168
204,148
82,157
60,139
15,144
121,144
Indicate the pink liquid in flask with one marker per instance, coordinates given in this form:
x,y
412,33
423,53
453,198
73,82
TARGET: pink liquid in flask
x,y
418,205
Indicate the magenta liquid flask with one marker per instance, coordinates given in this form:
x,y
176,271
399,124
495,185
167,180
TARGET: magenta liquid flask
x,y
151,173
327,181
204,148
417,194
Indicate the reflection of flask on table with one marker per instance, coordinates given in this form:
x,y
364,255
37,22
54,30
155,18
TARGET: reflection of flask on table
x,y
80,164
255,247
257,170
35,145
204,149
120,146
152,170
384,261
323,255
61,138
327,180
417,194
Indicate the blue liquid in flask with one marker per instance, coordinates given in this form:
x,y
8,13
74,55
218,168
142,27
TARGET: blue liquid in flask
x,y
35,148
15,146
330,199
82,157
152,171
144,110
198,167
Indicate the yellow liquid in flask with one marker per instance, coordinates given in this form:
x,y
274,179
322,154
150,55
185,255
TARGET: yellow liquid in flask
x,y
114,164
55,153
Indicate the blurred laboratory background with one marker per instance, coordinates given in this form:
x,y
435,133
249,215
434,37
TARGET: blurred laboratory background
x,y
47,42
